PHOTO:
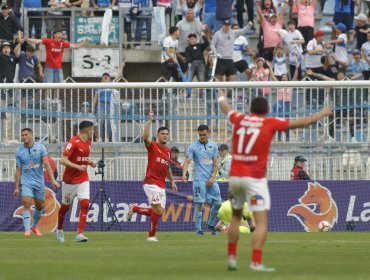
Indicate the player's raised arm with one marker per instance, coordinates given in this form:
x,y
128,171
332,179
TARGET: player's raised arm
x,y
67,163
146,134
305,121
50,172
222,100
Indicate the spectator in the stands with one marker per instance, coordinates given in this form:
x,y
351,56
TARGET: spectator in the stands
x,y
241,46
188,25
306,18
361,30
175,165
194,54
28,62
145,19
315,50
279,62
54,20
342,13
53,72
196,6
34,17
341,53
240,11
358,65
365,50
298,172
223,12
267,8
169,55
69,4
8,24
209,16
261,73
15,6
130,16
167,6
102,4
295,41
271,38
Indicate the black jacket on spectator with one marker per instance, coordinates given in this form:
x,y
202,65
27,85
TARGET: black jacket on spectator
x,y
195,52
361,37
8,26
7,68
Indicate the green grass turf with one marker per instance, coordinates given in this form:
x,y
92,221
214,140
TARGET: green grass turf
x,y
111,256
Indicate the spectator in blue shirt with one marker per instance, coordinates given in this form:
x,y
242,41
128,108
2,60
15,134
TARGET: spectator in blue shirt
x,y
144,18
342,13
358,66
99,4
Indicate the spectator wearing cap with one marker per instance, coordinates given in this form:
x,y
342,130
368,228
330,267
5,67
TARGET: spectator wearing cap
x,y
341,52
298,172
169,55
358,65
271,38
8,24
222,45
306,18
361,31
54,47
175,165
315,50
187,25
342,13
225,163
194,54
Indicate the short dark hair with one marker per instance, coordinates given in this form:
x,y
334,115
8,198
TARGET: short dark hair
x,y
292,22
260,106
27,129
192,35
30,48
162,128
173,29
203,127
57,31
85,124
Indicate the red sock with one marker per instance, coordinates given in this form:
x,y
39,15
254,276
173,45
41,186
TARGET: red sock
x,y
153,224
142,210
256,257
84,205
231,249
61,214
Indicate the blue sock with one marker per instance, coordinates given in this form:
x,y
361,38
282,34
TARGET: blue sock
x,y
198,213
26,215
36,217
213,213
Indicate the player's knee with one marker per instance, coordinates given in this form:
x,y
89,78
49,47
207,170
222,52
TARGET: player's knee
x,y
84,204
157,208
26,205
199,206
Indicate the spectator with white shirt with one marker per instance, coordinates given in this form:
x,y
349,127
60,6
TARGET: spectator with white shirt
x,y
306,18
365,50
295,41
169,55
315,50
341,52
279,63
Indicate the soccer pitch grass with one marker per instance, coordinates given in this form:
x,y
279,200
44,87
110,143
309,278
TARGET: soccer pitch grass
x,y
182,256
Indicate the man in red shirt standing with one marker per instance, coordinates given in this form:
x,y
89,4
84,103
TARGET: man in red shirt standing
x,y
54,47
159,157
252,136
75,178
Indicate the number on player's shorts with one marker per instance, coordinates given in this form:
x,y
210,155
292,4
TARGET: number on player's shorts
x,y
155,198
241,132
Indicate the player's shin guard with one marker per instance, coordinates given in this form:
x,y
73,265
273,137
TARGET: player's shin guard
x,y
143,211
153,224
26,215
36,217
213,213
61,214
198,213
84,208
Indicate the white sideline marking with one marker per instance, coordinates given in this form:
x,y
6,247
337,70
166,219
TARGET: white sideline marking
x,y
318,241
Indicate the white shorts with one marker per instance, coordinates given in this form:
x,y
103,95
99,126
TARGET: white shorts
x,y
82,191
255,191
155,194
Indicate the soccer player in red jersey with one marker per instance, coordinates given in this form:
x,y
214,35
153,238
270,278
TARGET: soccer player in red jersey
x,y
159,157
252,136
75,178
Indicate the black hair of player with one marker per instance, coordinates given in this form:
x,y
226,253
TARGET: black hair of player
x,y
203,127
85,124
162,128
27,129
173,29
259,106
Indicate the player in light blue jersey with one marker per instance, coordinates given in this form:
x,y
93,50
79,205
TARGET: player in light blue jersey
x,y
205,190
31,157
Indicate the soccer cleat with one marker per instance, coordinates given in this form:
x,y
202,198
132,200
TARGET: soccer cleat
x,y
231,264
261,268
152,239
27,233
60,235
200,232
212,229
131,211
36,231
81,238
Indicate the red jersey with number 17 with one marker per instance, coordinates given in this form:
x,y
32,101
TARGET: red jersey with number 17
x,y
252,136
78,152
158,164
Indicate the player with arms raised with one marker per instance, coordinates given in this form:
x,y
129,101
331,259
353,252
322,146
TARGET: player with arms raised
x,y
252,136
76,158
29,179
159,157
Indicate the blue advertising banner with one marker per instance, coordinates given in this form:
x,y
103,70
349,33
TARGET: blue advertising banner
x,y
296,206
91,27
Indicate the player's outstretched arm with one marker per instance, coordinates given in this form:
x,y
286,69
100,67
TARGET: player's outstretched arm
x,y
67,163
305,121
50,172
146,134
18,172
185,169
222,100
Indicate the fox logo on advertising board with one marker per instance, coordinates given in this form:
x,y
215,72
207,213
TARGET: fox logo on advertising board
x,y
49,220
316,205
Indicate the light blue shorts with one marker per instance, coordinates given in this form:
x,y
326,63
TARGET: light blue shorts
x,y
202,193
53,75
33,191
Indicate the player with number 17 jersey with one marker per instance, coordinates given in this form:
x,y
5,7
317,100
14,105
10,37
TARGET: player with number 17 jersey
x,y
252,136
